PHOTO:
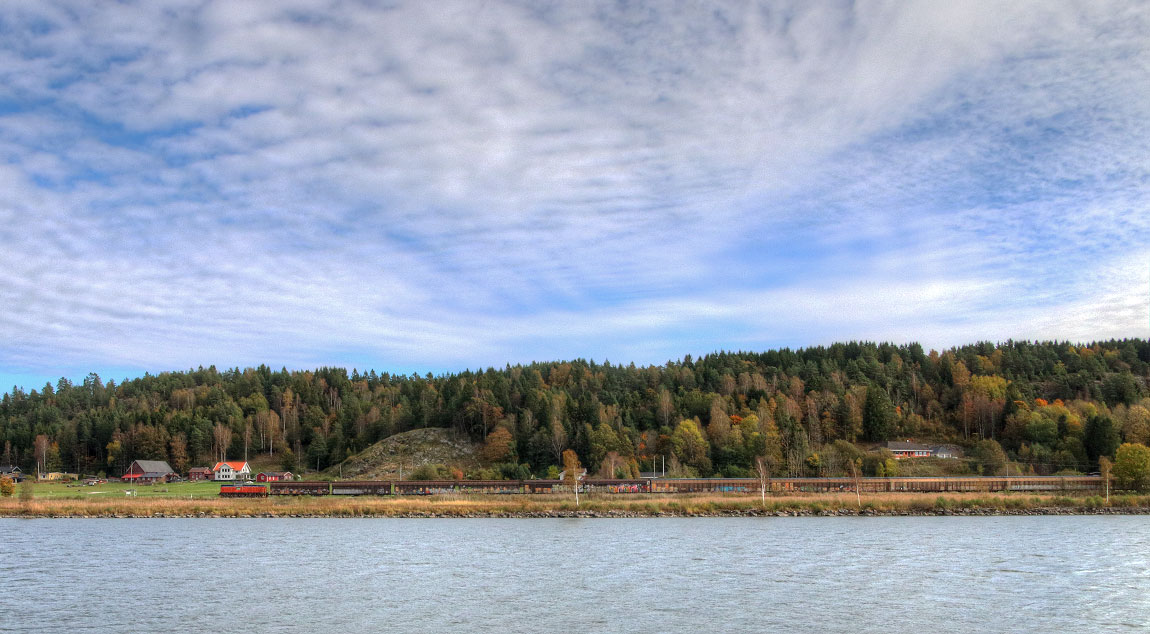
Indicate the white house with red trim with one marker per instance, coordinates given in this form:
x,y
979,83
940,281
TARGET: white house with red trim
x,y
234,470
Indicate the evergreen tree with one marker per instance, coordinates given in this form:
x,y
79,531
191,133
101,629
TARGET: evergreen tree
x,y
1100,438
878,414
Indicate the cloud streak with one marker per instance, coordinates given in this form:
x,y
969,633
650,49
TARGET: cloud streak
x,y
427,186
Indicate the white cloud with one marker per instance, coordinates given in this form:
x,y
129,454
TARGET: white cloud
x,y
439,183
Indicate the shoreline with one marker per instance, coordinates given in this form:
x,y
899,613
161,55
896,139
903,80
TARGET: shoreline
x,y
641,506
1035,512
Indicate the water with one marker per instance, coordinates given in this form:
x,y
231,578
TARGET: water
x,y
953,574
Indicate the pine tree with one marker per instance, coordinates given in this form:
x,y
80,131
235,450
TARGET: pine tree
x,y
878,414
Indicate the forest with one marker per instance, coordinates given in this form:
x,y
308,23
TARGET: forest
x,y
1030,407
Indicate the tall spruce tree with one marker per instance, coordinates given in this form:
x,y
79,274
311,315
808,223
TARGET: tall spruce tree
x,y
878,414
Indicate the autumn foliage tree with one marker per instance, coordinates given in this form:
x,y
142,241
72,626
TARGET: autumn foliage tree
x,y
690,447
500,446
1132,467
1034,398
179,453
571,469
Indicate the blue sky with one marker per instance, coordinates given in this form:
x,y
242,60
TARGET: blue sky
x,y
431,186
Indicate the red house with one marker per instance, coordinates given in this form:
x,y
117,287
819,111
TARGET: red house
x,y
274,476
908,449
199,473
149,471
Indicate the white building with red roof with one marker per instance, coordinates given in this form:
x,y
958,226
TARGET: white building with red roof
x,y
234,470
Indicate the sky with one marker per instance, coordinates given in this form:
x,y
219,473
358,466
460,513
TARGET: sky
x,y
435,186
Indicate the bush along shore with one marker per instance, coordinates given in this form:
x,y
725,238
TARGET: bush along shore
x,y
705,505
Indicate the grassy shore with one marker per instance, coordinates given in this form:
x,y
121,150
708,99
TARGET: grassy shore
x,y
75,491
601,505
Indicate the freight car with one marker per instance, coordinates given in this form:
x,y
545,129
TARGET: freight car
x,y
237,490
300,488
976,484
355,487
980,484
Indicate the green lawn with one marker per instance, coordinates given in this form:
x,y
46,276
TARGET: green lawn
x,y
118,489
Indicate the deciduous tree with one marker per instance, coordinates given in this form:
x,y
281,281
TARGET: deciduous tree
x,y
222,439
1104,466
571,469
500,446
763,469
179,453
1132,467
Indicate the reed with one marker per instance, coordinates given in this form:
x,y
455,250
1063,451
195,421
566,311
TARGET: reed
x,y
461,505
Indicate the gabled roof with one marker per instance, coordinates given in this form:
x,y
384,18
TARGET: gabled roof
x,y
276,473
153,466
236,465
906,446
199,470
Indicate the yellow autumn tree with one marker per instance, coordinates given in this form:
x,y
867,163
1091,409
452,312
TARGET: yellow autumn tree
x,y
571,469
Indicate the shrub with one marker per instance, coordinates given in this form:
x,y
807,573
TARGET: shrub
x,y
989,455
26,492
1132,467
7,487
891,467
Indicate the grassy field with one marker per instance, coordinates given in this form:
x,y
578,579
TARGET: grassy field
x,y
74,491
201,499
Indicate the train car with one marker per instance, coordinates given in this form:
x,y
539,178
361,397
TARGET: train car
x,y
491,486
364,487
423,487
541,486
976,484
949,484
240,490
300,488
592,485
704,485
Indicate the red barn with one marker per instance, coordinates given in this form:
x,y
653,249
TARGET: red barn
x,y
274,476
149,471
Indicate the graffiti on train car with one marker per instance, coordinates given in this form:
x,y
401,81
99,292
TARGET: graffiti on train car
x,y
955,484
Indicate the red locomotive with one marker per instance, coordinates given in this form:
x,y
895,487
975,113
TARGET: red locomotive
x,y
239,490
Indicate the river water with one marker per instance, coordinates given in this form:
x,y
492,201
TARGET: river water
x,y
894,574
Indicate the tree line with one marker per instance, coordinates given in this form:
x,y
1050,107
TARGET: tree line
x,y
1043,407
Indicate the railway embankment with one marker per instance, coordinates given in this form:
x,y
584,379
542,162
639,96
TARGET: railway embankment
x,y
653,506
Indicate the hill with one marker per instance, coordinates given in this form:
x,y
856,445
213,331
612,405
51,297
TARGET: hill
x,y
1048,406
409,450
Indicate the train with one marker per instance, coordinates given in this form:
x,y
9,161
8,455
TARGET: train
x,y
243,490
976,484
